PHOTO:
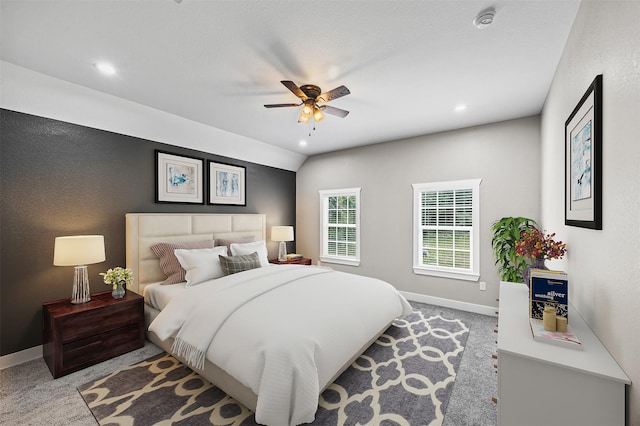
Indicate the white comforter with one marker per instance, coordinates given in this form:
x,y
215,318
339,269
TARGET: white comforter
x,y
282,331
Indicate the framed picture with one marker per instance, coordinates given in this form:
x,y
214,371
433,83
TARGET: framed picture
x,y
227,184
583,160
179,179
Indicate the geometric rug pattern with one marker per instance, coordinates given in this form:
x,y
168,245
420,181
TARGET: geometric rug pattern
x,y
404,378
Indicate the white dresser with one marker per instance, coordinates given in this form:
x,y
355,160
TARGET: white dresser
x,y
545,384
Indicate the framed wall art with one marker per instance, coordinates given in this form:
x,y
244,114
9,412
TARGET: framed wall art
x,y
179,179
583,160
227,184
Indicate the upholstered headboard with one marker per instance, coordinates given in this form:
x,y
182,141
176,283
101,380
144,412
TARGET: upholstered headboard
x,y
146,229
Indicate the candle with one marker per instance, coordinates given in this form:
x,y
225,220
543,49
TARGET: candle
x,y
561,324
549,318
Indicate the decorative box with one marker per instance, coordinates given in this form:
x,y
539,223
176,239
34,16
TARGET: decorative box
x,y
548,288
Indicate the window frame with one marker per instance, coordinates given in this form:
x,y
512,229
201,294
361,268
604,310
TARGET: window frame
x,y
324,208
473,274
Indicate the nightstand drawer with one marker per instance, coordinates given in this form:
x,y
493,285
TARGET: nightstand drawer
x,y
77,336
99,347
85,324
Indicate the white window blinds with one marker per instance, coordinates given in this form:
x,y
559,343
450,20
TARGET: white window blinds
x,y
340,213
445,235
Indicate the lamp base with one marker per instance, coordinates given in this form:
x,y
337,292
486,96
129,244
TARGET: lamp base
x,y
80,292
282,251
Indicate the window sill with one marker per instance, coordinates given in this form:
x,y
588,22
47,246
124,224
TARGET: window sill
x,y
467,276
340,260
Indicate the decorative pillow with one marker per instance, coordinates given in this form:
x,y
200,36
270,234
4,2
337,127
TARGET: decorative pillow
x,y
169,262
234,264
201,264
259,247
238,240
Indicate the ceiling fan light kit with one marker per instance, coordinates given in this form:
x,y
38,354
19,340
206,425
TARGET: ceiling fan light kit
x,y
304,116
314,101
308,107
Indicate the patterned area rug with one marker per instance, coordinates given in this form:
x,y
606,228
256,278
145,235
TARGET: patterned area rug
x,y
404,378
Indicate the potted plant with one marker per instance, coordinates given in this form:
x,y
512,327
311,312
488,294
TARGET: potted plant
x,y
118,277
506,232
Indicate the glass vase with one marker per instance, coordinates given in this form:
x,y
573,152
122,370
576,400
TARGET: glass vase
x,y
538,263
118,291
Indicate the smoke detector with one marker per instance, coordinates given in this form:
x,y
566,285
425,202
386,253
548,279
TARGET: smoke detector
x,y
484,19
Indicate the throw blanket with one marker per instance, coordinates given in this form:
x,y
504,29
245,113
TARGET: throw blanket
x,y
283,331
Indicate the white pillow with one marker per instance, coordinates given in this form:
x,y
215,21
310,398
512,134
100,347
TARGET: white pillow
x,y
201,264
259,247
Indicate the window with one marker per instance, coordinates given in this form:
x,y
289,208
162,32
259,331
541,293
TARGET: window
x,y
446,233
340,233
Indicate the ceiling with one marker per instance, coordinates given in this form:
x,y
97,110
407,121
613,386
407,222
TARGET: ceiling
x,y
408,64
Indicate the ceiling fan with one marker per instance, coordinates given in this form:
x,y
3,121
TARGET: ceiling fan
x,y
314,101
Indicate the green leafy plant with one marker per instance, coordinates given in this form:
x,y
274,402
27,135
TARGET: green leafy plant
x,y
506,232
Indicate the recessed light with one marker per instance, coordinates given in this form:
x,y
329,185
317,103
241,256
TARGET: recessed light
x,y
302,143
105,68
460,108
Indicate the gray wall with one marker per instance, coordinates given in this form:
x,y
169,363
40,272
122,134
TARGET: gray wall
x,y
59,179
604,265
504,155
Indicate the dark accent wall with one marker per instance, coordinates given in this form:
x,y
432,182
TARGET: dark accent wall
x,y
60,179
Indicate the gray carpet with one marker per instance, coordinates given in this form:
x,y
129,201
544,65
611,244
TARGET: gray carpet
x,y
477,379
29,395
404,378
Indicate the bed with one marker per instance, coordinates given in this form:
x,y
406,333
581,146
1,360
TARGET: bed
x,y
277,336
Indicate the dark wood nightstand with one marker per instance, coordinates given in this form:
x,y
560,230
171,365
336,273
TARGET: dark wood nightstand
x,y
297,261
77,336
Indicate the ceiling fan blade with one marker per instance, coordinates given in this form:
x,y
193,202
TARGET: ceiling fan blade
x,y
281,105
294,89
336,93
342,113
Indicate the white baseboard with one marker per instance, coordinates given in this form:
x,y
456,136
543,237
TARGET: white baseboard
x,y
449,303
20,357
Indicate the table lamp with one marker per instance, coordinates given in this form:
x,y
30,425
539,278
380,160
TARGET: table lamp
x,y
282,234
79,251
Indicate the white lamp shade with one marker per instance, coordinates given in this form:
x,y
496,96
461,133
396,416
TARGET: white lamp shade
x,y
78,250
282,233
